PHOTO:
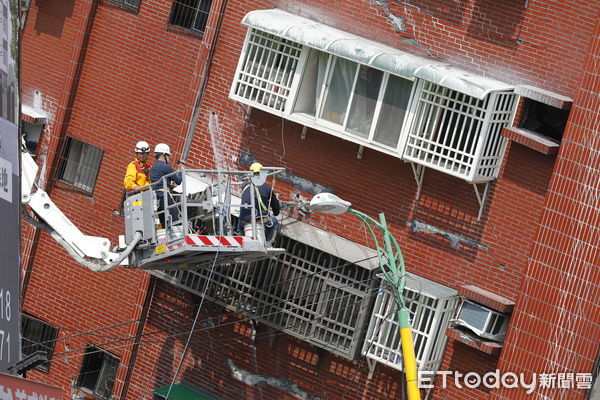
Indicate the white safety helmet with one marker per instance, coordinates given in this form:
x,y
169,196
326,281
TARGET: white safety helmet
x,y
162,148
142,147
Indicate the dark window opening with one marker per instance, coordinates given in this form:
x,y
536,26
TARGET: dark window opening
x,y
133,5
37,335
98,372
544,119
33,134
190,14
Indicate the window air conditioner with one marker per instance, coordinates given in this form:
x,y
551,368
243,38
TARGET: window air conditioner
x,y
484,322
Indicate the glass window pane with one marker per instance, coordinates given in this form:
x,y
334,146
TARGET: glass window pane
x,y
90,368
106,378
311,86
366,92
393,109
81,164
340,87
89,167
202,15
131,4
71,165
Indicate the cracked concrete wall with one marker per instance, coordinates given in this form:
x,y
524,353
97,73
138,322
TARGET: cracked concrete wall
x,y
253,379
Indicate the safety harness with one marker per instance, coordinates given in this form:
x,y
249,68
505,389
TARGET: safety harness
x,y
259,197
142,169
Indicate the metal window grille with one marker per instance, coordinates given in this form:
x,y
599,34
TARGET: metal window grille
x,y
133,5
190,14
37,335
430,305
459,134
500,116
98,372
306,293
266,70
80,165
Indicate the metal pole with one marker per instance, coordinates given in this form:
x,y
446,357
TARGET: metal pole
x,y
394,271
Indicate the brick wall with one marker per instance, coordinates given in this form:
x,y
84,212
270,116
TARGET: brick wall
x,y
224,342
556,324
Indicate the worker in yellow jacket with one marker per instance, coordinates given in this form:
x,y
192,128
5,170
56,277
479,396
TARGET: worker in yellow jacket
x,y
138,171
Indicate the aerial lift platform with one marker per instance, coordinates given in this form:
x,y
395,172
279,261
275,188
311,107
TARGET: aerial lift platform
x,y
203,235
205,231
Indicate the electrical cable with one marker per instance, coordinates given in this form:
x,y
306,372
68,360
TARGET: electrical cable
x,y
333,268
375,291
268,334
185,349
237,321
324,270
218,325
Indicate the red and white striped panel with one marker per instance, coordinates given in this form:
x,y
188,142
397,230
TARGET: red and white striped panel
x,y
209,240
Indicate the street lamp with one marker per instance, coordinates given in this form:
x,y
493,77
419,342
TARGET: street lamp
x,y
394,271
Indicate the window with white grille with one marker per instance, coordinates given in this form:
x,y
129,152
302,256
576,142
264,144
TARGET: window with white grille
x,y
306,293
430,305
457,133
416,120
265,73
334,94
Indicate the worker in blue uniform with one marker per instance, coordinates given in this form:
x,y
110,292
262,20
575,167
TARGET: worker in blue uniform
x,y
162,187
266,204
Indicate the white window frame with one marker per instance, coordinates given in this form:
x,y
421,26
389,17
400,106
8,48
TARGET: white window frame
x,y
488,144
318,122
484,158
430,314
269,84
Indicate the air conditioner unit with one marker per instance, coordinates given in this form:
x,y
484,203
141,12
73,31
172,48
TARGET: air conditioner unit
x,y
484,322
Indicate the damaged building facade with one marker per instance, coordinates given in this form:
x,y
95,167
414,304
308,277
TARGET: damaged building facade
x,y
472,125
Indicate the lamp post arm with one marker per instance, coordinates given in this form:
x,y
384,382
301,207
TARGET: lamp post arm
x,y
398,280
368,221
392,249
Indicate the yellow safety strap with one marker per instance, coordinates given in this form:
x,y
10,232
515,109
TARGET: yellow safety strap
x,y
258,196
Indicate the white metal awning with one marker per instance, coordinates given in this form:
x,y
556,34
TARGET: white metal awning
x,y
368,52
358,254
328,242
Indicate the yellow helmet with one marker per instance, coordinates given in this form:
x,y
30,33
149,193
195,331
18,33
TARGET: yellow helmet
x,y
255,167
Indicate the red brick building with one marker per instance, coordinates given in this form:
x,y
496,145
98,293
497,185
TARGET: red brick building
x,y
472,125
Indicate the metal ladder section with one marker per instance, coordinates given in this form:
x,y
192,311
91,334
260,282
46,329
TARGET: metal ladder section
x,y
200,221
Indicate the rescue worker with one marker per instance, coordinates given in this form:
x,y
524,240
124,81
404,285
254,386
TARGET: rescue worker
x,y
137,174
163,187
264,200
